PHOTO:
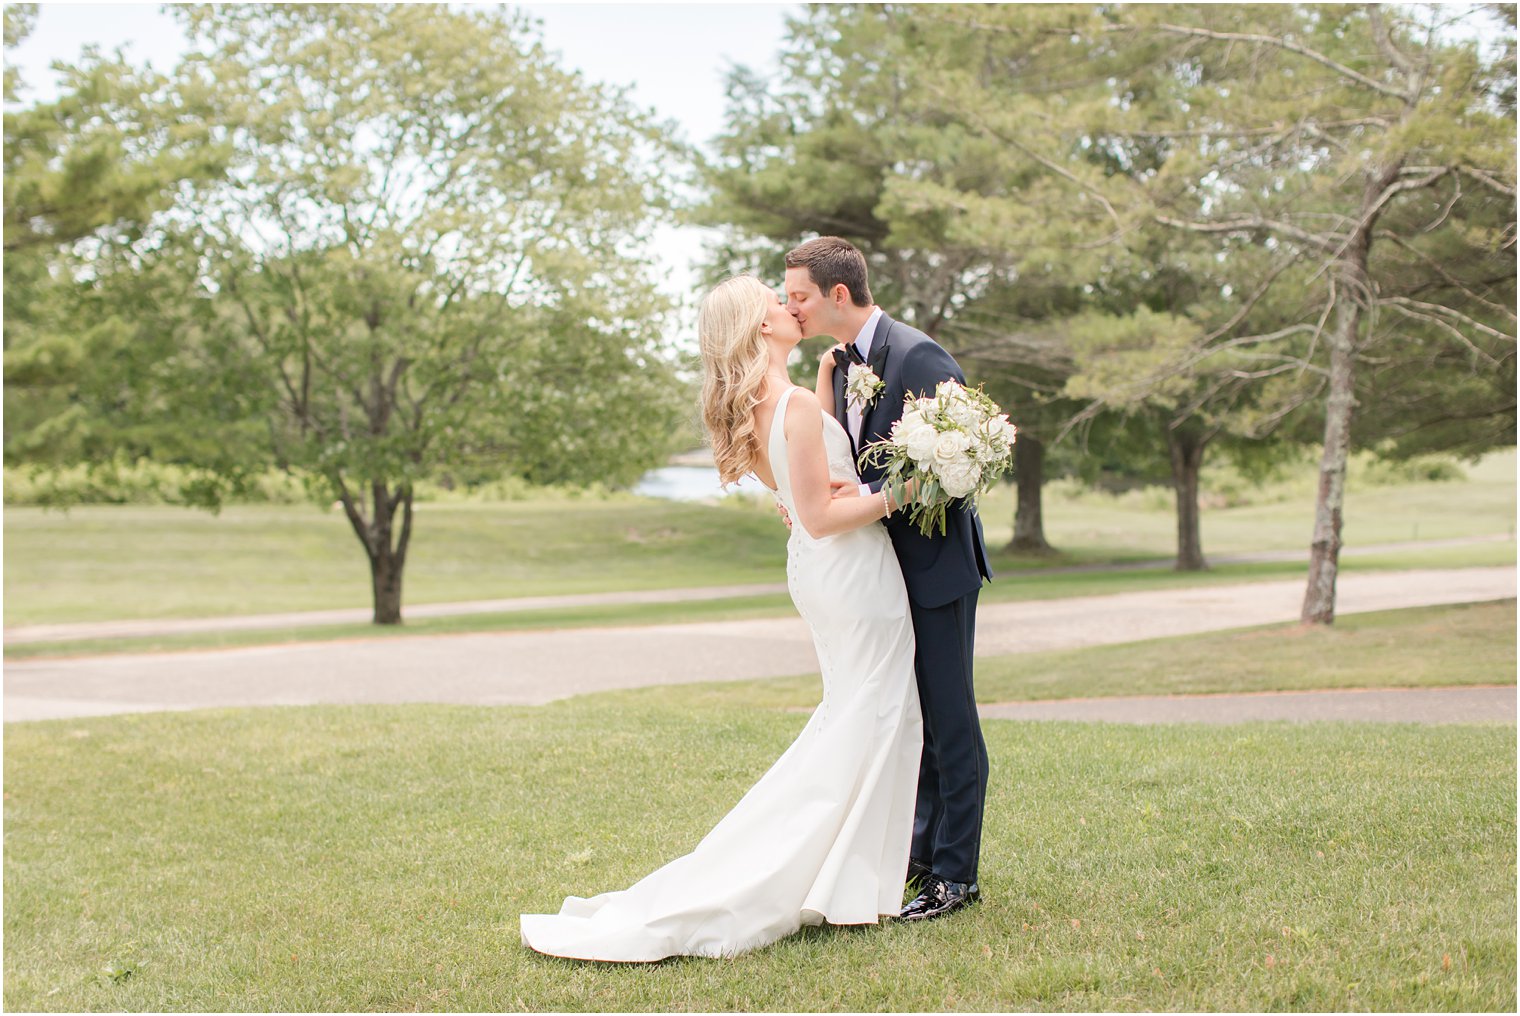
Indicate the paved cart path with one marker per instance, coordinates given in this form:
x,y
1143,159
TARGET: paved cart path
x,y
533,667
149,627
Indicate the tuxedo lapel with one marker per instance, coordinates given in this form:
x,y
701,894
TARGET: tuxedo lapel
x,y
881,350
880,347
841,411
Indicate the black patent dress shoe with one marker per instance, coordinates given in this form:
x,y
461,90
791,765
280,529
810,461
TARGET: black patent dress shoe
x,y
918,874
939,897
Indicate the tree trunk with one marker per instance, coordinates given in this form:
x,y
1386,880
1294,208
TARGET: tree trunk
x,y
1028,519
1325,549
385,580
383,544
1353,291
1186,447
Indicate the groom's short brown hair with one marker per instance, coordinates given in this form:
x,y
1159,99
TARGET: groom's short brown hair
x,y
831,261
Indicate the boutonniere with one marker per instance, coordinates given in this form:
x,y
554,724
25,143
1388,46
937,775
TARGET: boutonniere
x,y
862,386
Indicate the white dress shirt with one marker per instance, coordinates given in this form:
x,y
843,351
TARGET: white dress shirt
x,y
853,410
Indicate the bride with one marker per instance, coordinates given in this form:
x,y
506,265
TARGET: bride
x,y
824,835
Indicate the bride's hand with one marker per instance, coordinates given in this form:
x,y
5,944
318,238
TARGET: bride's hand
x,y
826,364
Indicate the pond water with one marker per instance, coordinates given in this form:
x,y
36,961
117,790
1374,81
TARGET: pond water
x,y
693,483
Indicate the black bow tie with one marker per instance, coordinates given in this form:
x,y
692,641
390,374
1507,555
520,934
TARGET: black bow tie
x,y
848,355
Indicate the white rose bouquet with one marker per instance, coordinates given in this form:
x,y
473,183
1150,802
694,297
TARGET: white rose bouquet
x,y
953,444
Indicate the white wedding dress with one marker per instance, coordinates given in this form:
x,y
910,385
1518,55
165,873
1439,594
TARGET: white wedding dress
x,y
824,835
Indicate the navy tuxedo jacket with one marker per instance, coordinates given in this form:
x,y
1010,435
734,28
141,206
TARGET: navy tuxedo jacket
x,y
936,569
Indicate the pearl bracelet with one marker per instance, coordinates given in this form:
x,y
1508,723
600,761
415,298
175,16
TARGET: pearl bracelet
x,y
886,503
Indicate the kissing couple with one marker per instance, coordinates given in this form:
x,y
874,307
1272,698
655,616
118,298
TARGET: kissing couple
x,y
885,785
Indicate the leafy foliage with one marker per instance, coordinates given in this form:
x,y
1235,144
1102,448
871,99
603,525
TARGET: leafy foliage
x,y
1268,215
416,265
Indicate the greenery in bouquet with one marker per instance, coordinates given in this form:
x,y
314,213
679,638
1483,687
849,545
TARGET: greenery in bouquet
x,y
950,446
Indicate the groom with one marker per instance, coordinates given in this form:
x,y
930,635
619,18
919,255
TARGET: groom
x,y
827,292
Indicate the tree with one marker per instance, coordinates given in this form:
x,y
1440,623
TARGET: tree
x,y
1013,339
962,131
842,142
1148,349
1294,137
1116,303
1311,129
104,153
89,168
416,264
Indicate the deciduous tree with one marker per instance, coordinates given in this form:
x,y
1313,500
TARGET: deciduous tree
x,y
419,262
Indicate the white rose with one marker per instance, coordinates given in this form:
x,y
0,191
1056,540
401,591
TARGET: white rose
x,y
949,390
994,437
863,385
951,446
964,414
960,478
910,423
917,439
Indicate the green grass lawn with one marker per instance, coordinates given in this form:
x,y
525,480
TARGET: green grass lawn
x,y
107,562
101,563
1418,648
1423,647
1280,516
376,858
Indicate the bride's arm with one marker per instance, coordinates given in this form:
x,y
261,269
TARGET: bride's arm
x,y
825,387
808,463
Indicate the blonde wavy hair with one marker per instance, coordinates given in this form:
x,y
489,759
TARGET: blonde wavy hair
x,y
734,361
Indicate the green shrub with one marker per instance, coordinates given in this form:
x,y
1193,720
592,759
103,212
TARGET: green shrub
x,y
1375,472
147,482
141,482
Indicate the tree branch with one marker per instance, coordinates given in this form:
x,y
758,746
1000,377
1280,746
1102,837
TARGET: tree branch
x,y
1251,223
354,512
1482,177
1088,412
1399,187
1450,279
1054,167
1272,419
1292,47
1252,132
1438,309
1449,329
1250,302
1384,39
1456,194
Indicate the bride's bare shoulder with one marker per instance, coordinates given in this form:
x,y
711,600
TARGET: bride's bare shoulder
x,y
805,398
804,413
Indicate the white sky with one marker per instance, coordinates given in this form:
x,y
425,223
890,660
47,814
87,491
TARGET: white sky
x,y
673,55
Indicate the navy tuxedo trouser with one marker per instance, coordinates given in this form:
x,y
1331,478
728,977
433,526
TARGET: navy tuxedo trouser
x,y
952,778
